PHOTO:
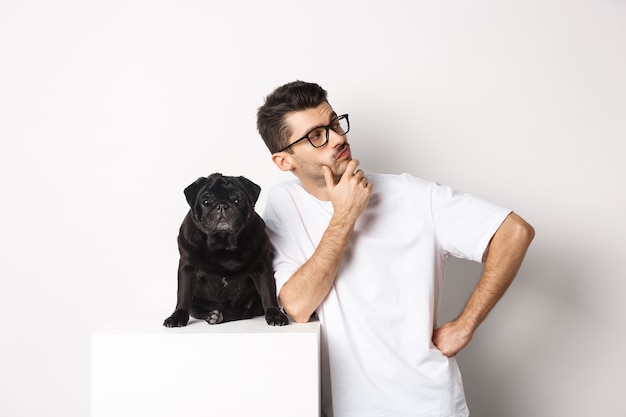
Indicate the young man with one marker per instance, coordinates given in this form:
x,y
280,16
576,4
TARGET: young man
x,y
367,253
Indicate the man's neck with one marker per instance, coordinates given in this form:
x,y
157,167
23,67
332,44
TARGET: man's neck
x,y
315,188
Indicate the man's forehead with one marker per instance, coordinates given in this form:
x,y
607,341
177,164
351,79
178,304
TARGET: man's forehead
x,y
303,121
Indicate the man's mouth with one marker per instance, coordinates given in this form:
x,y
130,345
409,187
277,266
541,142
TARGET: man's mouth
x,y
344,152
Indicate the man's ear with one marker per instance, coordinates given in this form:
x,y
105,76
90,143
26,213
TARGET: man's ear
x,y
283,161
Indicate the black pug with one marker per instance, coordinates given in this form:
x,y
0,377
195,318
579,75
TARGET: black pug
x,y
225,269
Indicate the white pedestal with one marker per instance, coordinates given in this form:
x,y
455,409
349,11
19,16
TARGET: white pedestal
x,y
243,368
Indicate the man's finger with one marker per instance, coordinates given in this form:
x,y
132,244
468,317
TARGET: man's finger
x,y
351,167
328,177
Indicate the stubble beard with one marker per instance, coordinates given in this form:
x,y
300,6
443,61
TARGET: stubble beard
x,y
339,167
315,173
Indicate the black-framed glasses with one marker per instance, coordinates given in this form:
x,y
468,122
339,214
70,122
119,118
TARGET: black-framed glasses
x,y
318,136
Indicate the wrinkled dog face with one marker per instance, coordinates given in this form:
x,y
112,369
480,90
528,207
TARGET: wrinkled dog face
x,y
221,209
222,206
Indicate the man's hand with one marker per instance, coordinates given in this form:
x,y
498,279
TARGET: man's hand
x,y
506,252
307,287
450,338
351,194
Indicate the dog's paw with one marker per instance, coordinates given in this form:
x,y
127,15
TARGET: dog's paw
x,y
179,318
215,317
275,317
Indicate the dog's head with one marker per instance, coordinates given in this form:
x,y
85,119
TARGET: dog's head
x,y
222,207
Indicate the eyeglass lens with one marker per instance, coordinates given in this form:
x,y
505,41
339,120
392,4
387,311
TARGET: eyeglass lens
x,y
319,136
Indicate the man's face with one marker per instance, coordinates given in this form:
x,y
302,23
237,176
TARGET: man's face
x,y
307,161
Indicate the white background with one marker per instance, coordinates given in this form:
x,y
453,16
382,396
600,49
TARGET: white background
x,y
109,109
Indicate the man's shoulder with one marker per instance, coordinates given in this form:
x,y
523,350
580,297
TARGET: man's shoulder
x,y
284,191
399,180
286,186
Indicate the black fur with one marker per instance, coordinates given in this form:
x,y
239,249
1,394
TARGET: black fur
x,y
225,269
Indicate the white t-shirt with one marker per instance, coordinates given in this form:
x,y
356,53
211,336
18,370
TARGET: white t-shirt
x,y
377,321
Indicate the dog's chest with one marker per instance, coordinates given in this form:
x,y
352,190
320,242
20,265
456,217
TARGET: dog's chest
x,y
229,287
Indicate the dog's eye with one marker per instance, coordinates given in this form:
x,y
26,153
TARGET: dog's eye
x,y
205,202
236,201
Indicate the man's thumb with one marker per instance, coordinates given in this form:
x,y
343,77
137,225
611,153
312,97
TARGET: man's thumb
x,y
328,176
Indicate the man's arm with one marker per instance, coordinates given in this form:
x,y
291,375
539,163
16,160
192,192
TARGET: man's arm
x,y
505,255
309,285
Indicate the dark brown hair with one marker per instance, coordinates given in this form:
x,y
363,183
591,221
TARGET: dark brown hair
x,y
291,97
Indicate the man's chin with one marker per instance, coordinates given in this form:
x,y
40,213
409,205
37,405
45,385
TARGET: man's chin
x,y
340,169
343,164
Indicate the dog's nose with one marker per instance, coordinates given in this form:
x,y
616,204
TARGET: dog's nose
x,y
221,207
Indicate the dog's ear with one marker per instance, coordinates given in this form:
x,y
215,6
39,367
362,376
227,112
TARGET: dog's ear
x,y
252,190
191,192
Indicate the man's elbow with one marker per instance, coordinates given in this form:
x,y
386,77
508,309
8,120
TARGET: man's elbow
x,y
301,319
524,232
298,315
515,233
295,311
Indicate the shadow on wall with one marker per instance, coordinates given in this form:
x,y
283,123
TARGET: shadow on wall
x,y
482,381
536,348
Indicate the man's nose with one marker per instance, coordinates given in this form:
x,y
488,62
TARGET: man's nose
x,y
335,139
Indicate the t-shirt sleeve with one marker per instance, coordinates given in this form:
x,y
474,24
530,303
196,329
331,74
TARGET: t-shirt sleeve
x,y
464,223
286,260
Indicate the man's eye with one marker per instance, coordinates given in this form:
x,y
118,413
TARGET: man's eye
x,y
317,135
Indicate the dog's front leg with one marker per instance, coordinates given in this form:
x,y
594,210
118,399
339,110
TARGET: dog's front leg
x,y
187,282
266,287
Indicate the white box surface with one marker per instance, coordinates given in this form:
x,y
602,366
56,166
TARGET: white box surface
x,y
242,368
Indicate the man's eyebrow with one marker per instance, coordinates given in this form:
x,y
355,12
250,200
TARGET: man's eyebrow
x,y
333,116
